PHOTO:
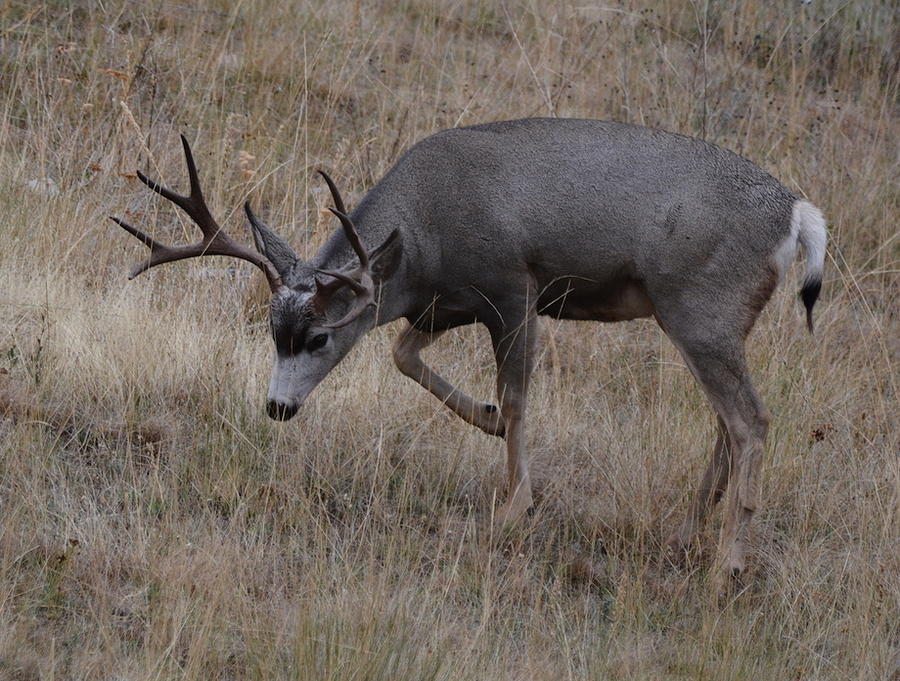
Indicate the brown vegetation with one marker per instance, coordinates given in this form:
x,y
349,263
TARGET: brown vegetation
x,y
351,542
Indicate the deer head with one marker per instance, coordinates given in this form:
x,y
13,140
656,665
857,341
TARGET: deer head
x,y
305,301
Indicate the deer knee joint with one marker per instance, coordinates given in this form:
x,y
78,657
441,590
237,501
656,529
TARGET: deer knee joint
x,y
405,359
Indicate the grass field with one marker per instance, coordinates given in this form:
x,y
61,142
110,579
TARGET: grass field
x,y
155,524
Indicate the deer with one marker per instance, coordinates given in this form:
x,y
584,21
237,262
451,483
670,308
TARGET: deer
x,y
500,223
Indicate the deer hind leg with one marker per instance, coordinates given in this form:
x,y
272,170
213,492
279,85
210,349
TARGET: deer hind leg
x,y
748,431
514,352
719,366
407,347
712,486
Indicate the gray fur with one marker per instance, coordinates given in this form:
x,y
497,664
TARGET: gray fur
x,y
577,219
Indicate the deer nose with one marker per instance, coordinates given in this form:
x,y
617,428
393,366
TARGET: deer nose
x,y
280,411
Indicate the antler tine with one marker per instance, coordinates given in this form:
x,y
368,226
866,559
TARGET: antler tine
x,y
178,199
358,287
214,242
360,279
159,253
196,192
349,228
362,301
335,194
324,290
193,204
144,238
353,237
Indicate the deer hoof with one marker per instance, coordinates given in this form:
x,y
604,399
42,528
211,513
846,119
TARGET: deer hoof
x,y
510,513
490,420
730,574
735,570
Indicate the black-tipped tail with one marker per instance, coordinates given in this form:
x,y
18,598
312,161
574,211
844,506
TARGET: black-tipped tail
x,y
809,225
810,294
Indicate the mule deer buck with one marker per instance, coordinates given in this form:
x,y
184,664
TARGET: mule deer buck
x,y
577,219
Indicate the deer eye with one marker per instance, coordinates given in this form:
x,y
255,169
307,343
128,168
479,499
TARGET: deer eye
x,y
317,342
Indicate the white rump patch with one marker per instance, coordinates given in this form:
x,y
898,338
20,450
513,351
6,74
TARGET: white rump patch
x,y
808,230
787,250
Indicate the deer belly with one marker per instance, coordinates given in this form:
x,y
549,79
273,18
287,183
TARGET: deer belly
x,y
613,301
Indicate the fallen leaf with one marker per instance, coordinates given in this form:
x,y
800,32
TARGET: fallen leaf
x,y
121,75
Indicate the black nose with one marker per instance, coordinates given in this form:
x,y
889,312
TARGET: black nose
x,y
280,411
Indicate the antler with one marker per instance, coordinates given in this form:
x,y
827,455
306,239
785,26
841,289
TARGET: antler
x,y
358,279
215,241
346,222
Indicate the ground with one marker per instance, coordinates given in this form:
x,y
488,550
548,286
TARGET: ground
x,y
154,524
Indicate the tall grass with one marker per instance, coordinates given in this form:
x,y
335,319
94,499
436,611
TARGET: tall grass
x,y
155,525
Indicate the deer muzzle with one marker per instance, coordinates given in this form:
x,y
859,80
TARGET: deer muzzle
x,y
288,387
281,411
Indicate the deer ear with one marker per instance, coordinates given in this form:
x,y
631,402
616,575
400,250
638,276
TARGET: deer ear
x,y
271,245
385,259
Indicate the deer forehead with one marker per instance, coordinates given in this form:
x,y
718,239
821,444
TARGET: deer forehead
x,y
293,307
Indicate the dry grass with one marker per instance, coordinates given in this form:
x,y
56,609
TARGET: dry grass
x,y
155,525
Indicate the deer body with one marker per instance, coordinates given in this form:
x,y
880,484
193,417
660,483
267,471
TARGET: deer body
x,y
603,218
578,219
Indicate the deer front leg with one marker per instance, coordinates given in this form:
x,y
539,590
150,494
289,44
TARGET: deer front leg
x,y
409,343
515,358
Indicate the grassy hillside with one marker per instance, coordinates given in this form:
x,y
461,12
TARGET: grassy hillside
x,y
154,524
